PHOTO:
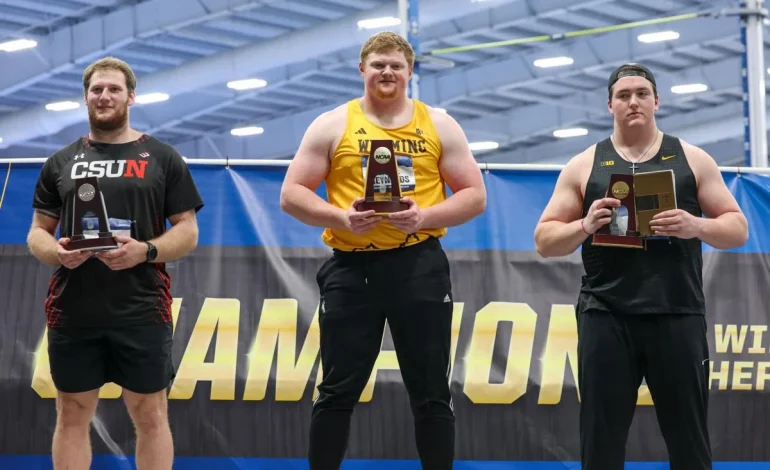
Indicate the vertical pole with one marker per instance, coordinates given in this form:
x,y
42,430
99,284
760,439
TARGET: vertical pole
x,y
403,15
755,116
408,12
745,95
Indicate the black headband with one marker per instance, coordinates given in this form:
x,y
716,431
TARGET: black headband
x,y
631,70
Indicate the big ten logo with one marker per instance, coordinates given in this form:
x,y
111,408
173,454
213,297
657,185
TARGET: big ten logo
x,y
277,354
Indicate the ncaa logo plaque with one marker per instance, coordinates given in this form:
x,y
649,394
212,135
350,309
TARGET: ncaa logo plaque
x,y
88,201
382,186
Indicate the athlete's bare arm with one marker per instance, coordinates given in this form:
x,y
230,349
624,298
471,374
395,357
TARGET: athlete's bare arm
x,y
725,226
461,173
561,229
46,248
40,239
307,171
179,240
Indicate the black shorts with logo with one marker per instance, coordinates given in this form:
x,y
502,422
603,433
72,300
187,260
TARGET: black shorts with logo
x,y
137,358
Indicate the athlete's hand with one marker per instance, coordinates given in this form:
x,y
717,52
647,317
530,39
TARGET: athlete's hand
x,y
409,220
360,222
599,214
675,223
71,259
130,253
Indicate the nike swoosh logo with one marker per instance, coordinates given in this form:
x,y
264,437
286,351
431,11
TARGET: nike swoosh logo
x,y
668,157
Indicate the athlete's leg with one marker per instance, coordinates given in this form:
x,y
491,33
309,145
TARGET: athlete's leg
x,y
154,444
677,375
351,326
609,377
71,448
77,369
420,321
141,363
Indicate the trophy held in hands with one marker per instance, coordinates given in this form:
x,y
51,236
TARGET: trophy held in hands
x,y
383,187
641,196
622,229
88,202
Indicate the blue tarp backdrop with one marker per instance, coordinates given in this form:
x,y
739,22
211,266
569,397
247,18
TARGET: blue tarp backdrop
x,y
246,340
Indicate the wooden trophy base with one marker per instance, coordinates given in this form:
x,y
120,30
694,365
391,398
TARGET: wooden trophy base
x,y
623,241
382,207
103,242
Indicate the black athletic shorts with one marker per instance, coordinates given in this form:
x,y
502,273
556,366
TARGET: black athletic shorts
x,y
138,358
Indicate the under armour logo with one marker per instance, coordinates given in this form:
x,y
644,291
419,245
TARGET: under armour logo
x,y
79,157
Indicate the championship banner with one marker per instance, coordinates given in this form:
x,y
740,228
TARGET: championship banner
x,y
246,341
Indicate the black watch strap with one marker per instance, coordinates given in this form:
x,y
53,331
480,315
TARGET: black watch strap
x,y
152,252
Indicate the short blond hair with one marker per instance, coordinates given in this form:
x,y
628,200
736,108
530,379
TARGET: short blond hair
x,y
387,41
110,63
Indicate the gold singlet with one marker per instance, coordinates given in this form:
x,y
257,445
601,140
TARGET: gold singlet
x,y
417,148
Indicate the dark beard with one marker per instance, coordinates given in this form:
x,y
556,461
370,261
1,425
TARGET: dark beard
x,y
119,120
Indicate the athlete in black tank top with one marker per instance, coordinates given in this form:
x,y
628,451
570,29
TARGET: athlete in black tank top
x,y
641,312
664,278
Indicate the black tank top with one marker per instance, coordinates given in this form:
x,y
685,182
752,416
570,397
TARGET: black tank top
x,y
667,276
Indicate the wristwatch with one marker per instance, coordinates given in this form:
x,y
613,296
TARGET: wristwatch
x,y
152,252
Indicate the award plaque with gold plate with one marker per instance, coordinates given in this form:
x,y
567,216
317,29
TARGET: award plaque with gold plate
x,y
655,193
641,196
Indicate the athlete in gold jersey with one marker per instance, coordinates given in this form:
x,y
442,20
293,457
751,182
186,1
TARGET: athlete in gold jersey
x,y
417,147
384,267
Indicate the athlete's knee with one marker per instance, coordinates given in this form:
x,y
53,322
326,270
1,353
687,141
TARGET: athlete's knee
x,y
75,410
432,408
431,398
149,412
336,401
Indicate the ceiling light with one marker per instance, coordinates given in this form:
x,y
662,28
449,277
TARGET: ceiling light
x,y
243,131
554,62
17,45
483,145
246,84
151,98
62,106
692,88
658,37
379,22
573,132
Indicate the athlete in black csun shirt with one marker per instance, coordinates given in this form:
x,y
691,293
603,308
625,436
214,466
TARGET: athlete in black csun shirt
x,y
144,182
109,315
